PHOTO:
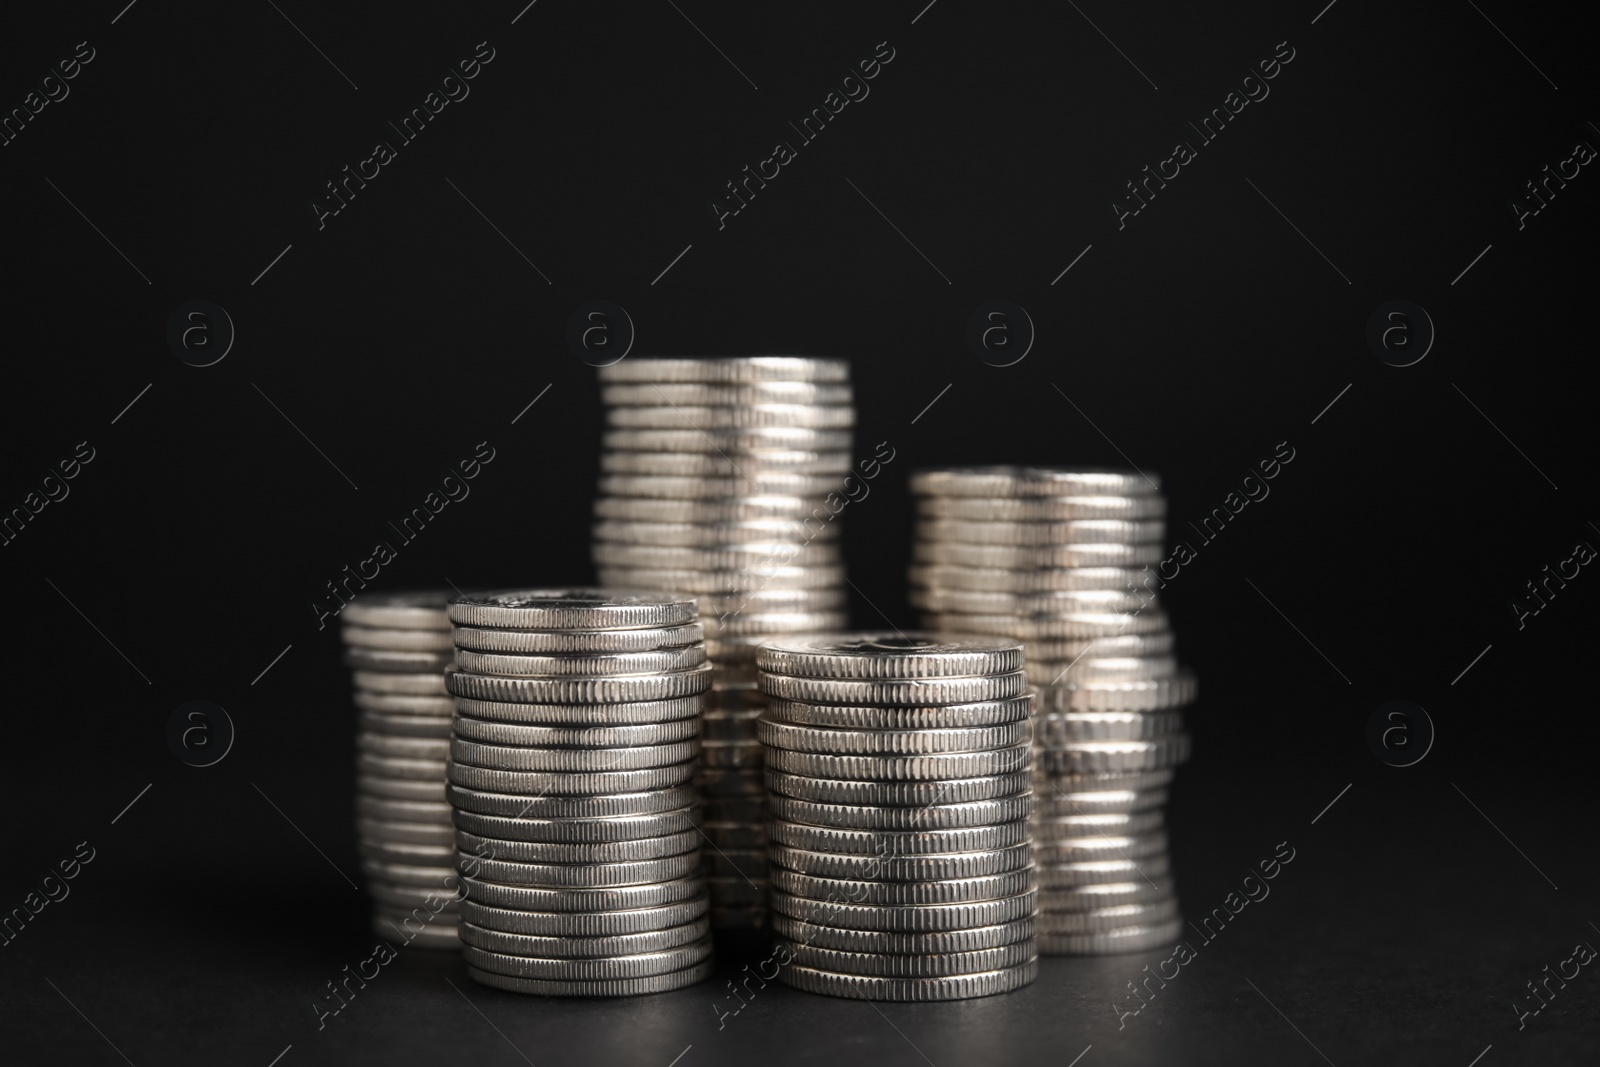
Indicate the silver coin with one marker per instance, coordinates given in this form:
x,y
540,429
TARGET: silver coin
x,y
569,900
405,852
894,868
1039,580
1059,601
407,704
638,965
584,875
382,785
1047,828
415,833
750,623
888,655
578,642
976,939
1147,694
827,739
1041,508
873,817
705,535
725,558
1003,481
522,665
400,684
1054,876
897,842
752,581
1101,669
724,754
745,416
427,748
584,924
981,714
571,609
937,766
904,894
430,770
406,811
539,784
434,726
501,733
1067,649
643,712
617,987
422,610
739,508
698,394
613,828
921,918
1069,727
751,482
1110,757
1073,624
1108,846
961,554
383,659
899,965
592,806
913,692
1092,897
1072,786
407,873
1052,803
736,370
953,987
396,640
897,794
546,947
579,852
516,758
1082,531
1123,939
617,689
704,464
440,934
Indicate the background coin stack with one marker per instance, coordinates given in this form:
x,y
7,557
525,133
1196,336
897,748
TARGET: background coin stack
x,y
574,744
899,789
1063,560
398,645
715,481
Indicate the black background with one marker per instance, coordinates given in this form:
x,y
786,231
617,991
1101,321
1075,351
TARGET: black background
x,y
1191,343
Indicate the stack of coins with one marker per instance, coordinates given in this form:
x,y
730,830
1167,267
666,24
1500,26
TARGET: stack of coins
x,y
398,645
1062,560
573,750
899,787
723,478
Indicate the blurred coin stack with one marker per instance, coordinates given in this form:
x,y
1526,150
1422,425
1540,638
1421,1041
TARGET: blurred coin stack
x,y
1063,561
899,794
716,478
572,757
398,646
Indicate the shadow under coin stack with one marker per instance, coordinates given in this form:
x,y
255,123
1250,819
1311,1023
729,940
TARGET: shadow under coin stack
x,y
398,645
576,732
1062,560
899,791
716,481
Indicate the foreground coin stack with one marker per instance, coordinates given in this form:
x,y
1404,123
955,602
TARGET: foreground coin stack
x,y
398,646
899,788
574,744
715,480
1063,560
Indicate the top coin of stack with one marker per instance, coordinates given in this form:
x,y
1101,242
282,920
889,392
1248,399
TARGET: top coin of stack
x,y
715,479
1062,560
898,771
398,646
574,744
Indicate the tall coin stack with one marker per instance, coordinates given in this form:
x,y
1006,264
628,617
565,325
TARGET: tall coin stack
x,y
716,481
899,788
398,646
574,744
1062,560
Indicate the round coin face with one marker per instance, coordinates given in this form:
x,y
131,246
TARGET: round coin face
x,y
579,609
889,655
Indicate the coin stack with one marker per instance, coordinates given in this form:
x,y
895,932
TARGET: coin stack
x,y
1061,559
573,747
398,645
899,787
722,478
